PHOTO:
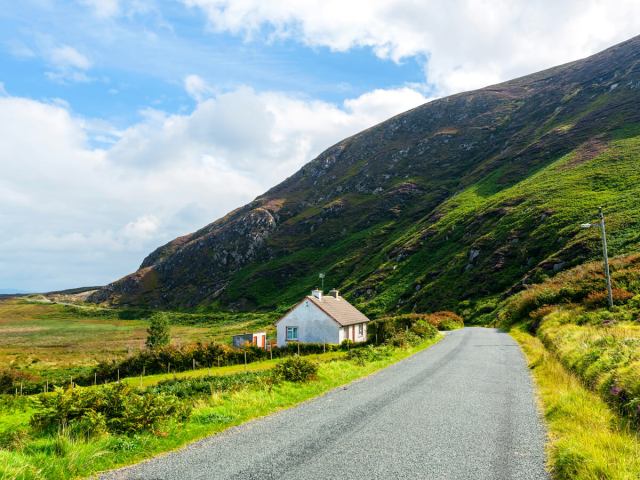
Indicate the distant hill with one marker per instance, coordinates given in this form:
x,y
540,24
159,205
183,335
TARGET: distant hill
x,y
10,291
461,199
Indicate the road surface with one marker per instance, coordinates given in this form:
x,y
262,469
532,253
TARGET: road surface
x,y
462,409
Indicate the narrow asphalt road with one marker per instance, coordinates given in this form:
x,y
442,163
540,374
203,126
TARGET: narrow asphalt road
x,y
463,409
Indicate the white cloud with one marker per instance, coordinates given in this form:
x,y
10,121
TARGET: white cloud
x,y
103,8
469,43
142,228
197,87
66,56
3,90
69,65
75,214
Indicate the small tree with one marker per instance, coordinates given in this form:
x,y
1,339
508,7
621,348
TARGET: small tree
x,y
158,333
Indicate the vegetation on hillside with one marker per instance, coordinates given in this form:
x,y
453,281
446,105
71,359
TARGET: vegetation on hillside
x,y
602,347
585,359
445,206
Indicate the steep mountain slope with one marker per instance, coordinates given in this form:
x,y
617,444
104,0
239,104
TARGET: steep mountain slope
x,y
459,199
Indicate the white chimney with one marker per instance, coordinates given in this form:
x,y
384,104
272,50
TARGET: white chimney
x,y
317,293
334,293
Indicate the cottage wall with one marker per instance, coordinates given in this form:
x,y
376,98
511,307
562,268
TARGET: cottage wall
x,y
314,326
352,332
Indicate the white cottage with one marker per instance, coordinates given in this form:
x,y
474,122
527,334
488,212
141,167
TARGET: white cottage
x,y
322,318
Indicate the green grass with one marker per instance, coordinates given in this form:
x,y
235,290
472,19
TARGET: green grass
x,y
225,370
587,441
44,338
601,346
59,457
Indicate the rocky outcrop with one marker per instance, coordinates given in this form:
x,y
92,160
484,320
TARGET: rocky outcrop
x,y
194,268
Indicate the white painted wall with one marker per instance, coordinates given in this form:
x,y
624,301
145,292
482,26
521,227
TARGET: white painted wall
x,y
348,333
314,326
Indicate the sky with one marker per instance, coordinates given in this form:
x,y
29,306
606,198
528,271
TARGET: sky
x,y
126,123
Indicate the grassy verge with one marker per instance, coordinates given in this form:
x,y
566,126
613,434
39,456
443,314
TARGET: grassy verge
x,y
605,357
587,440
226,370
23,456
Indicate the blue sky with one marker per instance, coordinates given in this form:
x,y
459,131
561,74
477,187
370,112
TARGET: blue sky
x,y
141,60
125,123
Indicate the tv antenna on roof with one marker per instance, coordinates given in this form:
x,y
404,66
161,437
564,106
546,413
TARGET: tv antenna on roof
x,y
321,277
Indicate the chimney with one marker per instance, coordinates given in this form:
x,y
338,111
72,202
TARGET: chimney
x,y
334,293
317,293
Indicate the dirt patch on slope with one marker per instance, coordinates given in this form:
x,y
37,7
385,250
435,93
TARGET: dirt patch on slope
x,y
587,151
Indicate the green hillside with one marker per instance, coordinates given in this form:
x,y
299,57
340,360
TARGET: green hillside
x,y
449,205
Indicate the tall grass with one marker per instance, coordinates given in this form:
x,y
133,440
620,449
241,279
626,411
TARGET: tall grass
x,y
587,441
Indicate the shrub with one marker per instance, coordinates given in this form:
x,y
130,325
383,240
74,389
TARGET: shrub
x,y
369,354
192,387
537,315
114,408
635,302
347,344
11,380
445,320
13,439
296,369
181,358
393,329
404,339
601,298
424,329
158,334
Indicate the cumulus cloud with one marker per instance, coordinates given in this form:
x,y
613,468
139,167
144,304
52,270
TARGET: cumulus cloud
x,y
467,43
74,214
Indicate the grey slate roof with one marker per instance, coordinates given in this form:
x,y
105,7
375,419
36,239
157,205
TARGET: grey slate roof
x,y
339,309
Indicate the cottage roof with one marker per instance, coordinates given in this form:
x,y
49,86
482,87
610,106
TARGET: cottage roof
x,y
339,309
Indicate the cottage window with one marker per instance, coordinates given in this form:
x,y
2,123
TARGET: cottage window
x,y
292,333
361,329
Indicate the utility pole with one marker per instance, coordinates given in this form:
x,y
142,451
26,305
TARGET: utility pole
x,y
605,253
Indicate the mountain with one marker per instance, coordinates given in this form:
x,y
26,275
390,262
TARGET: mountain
x,y
444,206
